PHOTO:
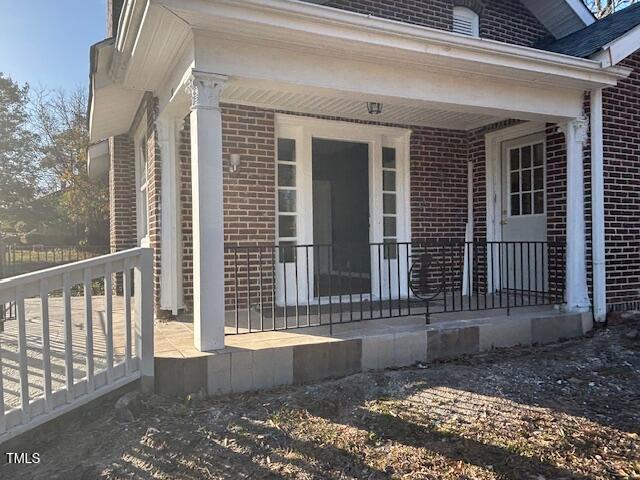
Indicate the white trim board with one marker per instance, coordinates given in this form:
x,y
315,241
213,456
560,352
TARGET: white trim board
x,y
619,49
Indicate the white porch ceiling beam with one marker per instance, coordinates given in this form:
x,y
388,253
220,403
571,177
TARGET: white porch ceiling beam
x,y
297,72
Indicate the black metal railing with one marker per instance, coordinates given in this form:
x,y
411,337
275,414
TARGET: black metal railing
x,y
281,287
21,259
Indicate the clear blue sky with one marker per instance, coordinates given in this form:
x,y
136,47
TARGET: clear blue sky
x,y
46,42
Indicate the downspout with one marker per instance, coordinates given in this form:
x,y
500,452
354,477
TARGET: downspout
x,y
467,285
597,209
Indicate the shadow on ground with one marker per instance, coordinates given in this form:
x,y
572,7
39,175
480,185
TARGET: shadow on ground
x,y
558,412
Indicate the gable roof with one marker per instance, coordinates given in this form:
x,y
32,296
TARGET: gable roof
x,y
594,37
561,18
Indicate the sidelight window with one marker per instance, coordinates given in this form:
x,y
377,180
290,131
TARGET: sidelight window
x,y
287,199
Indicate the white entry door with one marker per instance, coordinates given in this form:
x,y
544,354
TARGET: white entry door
x,y
371,270
524,213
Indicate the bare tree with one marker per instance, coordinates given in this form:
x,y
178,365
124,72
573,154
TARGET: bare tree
x,y
602,8
60,120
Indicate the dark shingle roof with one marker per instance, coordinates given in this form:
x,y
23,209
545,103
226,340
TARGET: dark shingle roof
x,y
592,38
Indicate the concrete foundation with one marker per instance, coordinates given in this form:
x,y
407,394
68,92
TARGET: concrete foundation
x,y
266,360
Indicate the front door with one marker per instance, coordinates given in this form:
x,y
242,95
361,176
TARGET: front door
x,y
343,193
340,173
523,213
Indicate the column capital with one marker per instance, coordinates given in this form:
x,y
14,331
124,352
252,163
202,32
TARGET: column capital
x,y
578,127
205,90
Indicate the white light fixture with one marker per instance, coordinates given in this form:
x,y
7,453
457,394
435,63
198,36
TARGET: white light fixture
x,y
374,108
234,161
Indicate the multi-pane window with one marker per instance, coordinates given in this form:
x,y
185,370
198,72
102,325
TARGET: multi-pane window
x,y
389,202
287,199
526,180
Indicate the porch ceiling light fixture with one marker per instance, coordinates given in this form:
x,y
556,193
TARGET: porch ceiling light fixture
x,y
374,108
234,162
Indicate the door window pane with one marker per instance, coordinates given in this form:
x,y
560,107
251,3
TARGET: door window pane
x,y
526,180
388,157
287,252
538,154
390,248
526,204
286,175
389,203
538,202
287,226
515,182
538,178
526,156
389,181
515,159
515,204
286,150
287,200
389,226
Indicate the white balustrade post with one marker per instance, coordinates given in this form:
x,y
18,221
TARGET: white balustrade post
x,y
208,225
577,298
144,318
597,209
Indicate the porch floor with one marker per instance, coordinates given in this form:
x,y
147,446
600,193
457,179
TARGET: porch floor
x,y
263,360
174,339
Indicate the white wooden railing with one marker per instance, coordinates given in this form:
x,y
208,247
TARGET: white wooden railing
x,y
81,371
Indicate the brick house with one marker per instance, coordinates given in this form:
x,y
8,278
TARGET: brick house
x,y
289,158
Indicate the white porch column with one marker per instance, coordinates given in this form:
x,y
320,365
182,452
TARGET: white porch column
x,y
577,298
170,271
208,229
597,209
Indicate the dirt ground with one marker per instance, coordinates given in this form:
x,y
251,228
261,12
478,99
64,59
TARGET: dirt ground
x,y
569,410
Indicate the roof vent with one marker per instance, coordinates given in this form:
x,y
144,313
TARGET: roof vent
x,y
466,21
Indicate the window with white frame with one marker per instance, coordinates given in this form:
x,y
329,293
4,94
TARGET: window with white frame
x,y
466,21
527,180
389,202
142,180
287,198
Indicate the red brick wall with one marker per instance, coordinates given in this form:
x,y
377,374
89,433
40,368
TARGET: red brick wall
x,y
122,194
184,150
621,109
154,169
249,193
502,20
438,183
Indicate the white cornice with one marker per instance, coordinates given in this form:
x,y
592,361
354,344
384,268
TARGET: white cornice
x,y
299,22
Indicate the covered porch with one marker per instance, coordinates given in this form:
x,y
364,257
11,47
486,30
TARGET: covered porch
x,y
457,210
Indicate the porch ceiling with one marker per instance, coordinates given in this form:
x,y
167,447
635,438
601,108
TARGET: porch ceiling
x,y
352,108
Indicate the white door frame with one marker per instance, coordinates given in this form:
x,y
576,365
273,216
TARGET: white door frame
x,y
303,130
493,164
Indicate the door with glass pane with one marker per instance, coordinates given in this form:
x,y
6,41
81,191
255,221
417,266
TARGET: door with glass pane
x,y
524,213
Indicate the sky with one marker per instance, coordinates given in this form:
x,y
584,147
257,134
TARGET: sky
x,y
46,42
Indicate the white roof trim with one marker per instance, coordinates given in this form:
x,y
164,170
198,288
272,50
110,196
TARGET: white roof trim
x,y
582,11
619,49
98,159
298,20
